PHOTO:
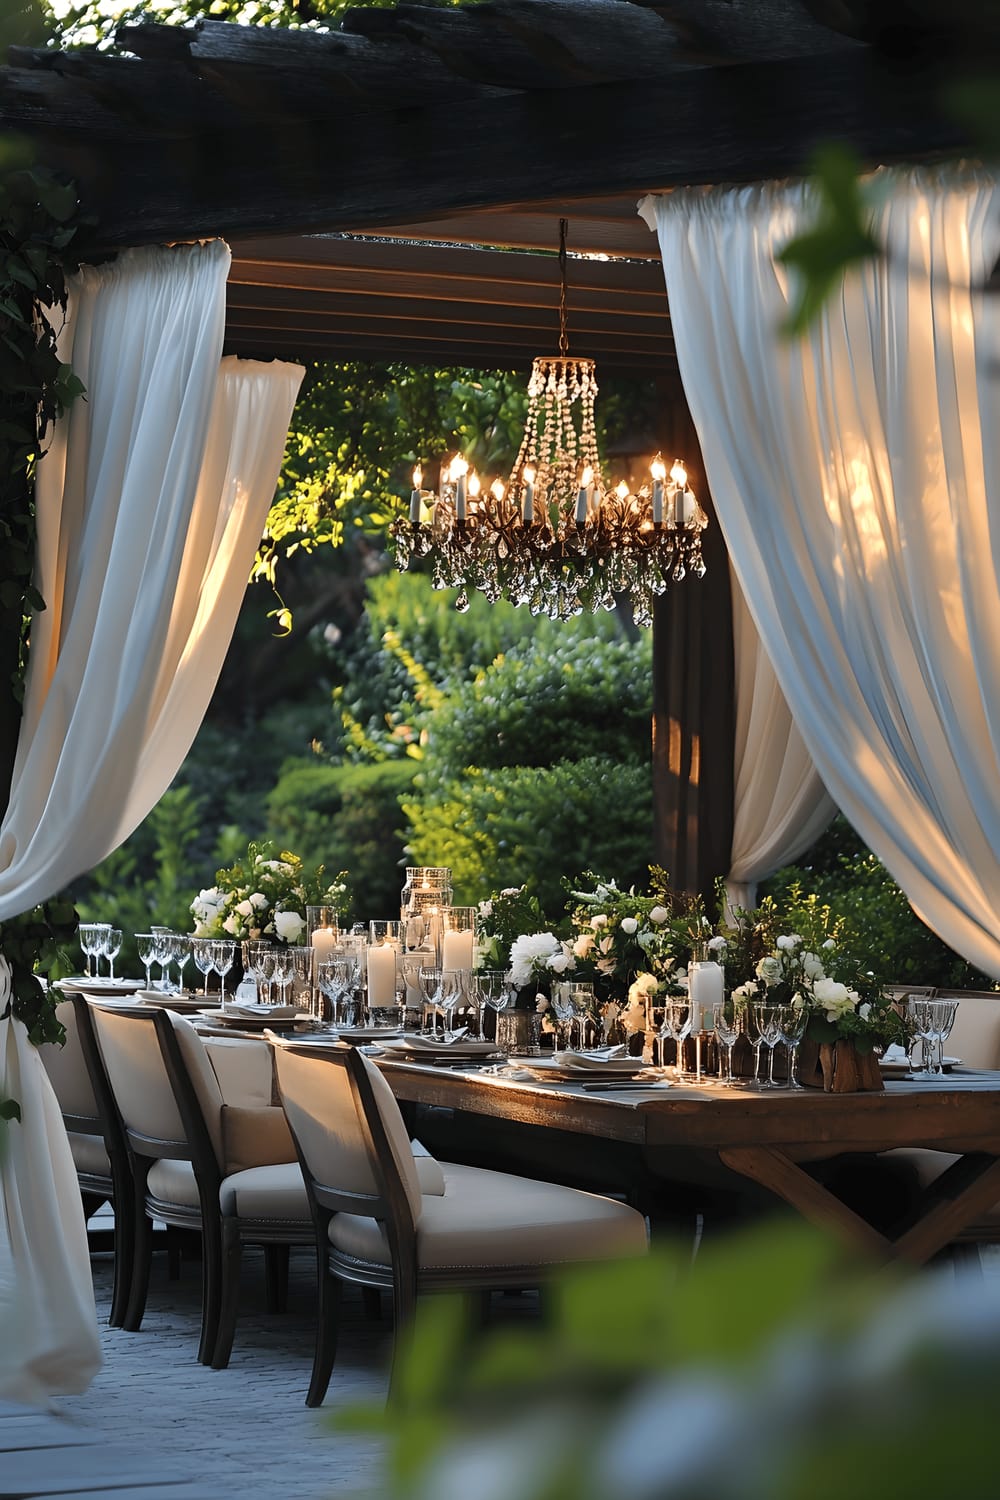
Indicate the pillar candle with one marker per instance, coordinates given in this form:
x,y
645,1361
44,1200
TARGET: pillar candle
x,y
323,942
528,497
706,987
415,496
382,975
456,950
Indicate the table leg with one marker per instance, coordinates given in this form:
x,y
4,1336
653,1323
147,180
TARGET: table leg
x,y
777,1172
956,1199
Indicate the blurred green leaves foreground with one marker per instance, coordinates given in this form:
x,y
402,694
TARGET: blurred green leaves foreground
x,y
765,1370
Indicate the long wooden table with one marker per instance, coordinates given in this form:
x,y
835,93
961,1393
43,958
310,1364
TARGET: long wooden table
x,y
768,1138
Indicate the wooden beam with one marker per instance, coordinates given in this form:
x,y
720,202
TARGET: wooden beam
x,y
702,126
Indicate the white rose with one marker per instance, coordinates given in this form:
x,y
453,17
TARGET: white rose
x,y
599,921
607,944
645,939
559,963
258,900
829,944
717,944
629,925
583,944
288,925
769,970
659,914
786,944
812,966
245,909
229,925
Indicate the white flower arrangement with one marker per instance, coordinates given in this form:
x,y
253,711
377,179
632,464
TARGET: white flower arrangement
x,y
263,897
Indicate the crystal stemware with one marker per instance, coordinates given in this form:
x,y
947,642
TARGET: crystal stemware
x,y
792,1023
223,956
768,1018
111,943
429,979
726,1025
90,934
203,953
453,991
182,952
941,1018
562,1004
145,945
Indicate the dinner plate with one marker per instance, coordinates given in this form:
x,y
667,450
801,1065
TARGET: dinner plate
x,y
554,1067
354,1034
80,984
158,1000
250,1023
903,1069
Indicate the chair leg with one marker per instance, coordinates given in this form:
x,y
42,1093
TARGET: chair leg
x,y
404,1305
142,1255
124,1207
232,1256
276,1277
328,1313
211,1286
371,1301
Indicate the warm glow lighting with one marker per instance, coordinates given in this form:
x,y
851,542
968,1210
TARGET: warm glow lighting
x,y
679,475
658,469
418,477
458,468
622,490
528,475
497,490
475,485
586,478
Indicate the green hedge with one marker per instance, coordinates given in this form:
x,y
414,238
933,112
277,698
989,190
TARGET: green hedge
x,y
346,817
515,824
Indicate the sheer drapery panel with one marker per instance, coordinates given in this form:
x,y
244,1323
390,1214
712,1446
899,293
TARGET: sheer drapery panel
x,y
855,474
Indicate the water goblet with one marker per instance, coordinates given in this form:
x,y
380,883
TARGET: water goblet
x,y
283,972
262,962
182,953
491,988
792,1023
453,990
145,944
768,1018
941,1018
429,979
562,1004
203,953
753,1031
677,1017
726,1025
330,978
302,969
918,1013
582,998
111,942
90,944
223,956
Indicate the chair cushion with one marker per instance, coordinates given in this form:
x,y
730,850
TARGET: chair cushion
x,y
255,1137
494,1219
173,1181
89,1154
276,1192
428,1171
243,1070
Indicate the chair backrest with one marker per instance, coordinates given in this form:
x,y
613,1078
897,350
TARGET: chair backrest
x,y
352,1142
164,1086
69,1075
975,1036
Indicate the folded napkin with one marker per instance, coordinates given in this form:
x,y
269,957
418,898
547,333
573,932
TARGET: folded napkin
x,y
611,1060
895,1054
459,1047
253,1008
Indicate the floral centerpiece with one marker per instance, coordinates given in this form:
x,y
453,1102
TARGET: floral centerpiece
x,y
633,948
817,968
265,896
513,934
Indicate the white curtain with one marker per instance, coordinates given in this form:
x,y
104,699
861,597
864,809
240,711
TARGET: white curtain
x,y
855,474
151,501
780,805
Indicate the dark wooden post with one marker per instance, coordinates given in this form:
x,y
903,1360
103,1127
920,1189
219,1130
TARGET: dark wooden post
x,y
693,690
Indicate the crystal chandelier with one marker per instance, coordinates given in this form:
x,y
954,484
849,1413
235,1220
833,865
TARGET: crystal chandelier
x,y
557,535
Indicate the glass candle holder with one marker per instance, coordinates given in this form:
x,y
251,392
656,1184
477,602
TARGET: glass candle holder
x,y
458,937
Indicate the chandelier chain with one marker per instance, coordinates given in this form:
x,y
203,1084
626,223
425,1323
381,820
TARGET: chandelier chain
x,y
563,336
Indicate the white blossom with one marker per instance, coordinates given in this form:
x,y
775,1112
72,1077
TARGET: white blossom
x,y
629,925
659,914
288,925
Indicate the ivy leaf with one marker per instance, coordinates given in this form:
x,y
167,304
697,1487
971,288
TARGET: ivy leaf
x,y
841,238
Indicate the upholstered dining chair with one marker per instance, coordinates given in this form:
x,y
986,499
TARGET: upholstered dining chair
x,y
230,1173
376,1226
96,1139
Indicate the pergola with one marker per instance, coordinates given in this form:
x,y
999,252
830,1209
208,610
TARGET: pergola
x,y
387,189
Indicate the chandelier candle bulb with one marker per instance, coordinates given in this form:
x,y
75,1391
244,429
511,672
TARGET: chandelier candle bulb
x,y
583,496
459,469
528,497
659,473
415,495
382,975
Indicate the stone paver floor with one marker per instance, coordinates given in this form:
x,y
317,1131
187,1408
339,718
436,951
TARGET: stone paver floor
x,y
244,1432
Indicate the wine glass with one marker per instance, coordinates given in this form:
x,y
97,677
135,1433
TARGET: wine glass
x,y
492,988
330,978
90,943
792,1023
562,1004
301,958
940,1020
262,961
726,1025
203,953
223,956
453,990
768,1019
753,1030
917,1008
282,972
429,979
181,945
677,1019
111,942
145,944
582,997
